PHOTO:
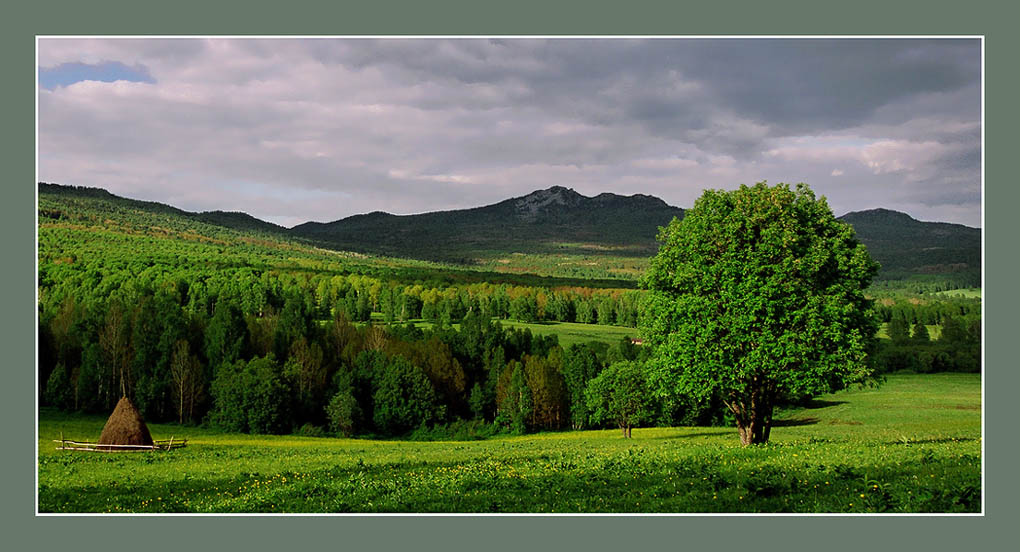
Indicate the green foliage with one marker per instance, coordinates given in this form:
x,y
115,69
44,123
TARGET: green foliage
x,y
251,397
309,430
404,398
457,430
899,330
585,312
344,413
478,401
757,295
920,334
958,349
581,364
549,403
513,399
619,394
59,389
226,337
524,308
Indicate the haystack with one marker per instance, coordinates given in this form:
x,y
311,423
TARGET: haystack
x,y
125,427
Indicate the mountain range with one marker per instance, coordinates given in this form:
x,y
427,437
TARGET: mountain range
x,y
547,221
559,220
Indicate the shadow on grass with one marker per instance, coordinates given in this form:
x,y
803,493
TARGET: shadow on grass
x,y
820,403
794,422
680,435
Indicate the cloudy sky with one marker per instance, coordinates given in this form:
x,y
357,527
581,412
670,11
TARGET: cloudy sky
x,y
293,130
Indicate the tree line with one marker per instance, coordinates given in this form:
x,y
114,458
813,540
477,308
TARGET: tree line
x,y
266,362
910,347
261,352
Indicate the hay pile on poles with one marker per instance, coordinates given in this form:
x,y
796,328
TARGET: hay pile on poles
x,y
125,427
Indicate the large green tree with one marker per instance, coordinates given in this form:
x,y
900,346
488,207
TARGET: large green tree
x,y
756,295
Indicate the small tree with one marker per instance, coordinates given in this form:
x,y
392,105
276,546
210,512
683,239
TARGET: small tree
x,y
343,412
580,365
620,394
898,329
920,334
756,295
477,401
513,399
186,372
404,398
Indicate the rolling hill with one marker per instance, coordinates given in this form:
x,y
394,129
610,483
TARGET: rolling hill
x,y
907,247
544,222
559,222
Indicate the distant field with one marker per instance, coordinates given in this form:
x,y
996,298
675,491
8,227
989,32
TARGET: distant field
x,y
934,331
568,333
968,293
571,332
912,445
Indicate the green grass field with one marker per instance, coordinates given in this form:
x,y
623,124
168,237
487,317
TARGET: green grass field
x,y
934,330
970,293
912,445
568,333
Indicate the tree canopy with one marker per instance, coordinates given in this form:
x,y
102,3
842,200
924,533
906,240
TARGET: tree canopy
x,y
757,294
619,394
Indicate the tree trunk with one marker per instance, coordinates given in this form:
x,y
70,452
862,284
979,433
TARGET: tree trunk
x,y
757,429
754,424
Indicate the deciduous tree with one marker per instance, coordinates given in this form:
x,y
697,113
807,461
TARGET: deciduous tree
x,y
757,294
620,394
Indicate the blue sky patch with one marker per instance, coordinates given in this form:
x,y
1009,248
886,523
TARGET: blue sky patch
x,y
67,74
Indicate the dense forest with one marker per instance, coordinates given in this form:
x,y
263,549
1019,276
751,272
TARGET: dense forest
x,y
270,364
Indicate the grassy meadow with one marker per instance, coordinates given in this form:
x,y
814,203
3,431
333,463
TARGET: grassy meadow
x,y
567,333
570,333
911,445
969,293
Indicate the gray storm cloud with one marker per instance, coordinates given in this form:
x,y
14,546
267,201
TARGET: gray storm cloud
x,y
292,130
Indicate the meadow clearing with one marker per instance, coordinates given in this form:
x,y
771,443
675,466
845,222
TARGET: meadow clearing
x,y
567,333
911,445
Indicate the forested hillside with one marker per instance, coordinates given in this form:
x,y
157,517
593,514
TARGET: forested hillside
x,y
907,247
221,318
204,322
559,233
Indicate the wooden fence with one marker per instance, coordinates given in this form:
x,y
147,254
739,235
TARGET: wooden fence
x,y
157,444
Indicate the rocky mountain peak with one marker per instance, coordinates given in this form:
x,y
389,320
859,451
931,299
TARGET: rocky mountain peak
x,y
531,205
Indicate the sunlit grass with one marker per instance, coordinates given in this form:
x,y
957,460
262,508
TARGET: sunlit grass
x,y
912,445
567,333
